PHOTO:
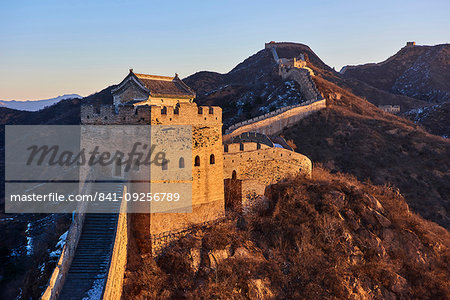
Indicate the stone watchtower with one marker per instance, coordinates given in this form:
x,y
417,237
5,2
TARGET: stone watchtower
x,y
142,99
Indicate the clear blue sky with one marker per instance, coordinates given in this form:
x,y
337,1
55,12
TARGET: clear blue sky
x,y
49,48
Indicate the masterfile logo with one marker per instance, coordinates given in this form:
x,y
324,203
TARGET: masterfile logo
x,y
55,168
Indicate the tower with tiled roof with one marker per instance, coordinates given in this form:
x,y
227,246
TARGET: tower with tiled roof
x,y
144,89
142,99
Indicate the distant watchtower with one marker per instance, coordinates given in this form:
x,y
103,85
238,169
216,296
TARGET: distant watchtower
x,y
410,44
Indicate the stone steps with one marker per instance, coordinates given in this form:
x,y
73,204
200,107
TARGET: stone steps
x,y
91,261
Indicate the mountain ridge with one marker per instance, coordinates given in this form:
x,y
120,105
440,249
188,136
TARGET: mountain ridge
x,y
351,136
420,72
35,105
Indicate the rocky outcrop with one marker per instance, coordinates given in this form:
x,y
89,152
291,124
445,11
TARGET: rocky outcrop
x,y
328,237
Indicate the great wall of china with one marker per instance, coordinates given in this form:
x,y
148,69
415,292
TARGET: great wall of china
x,y
240,165
274,122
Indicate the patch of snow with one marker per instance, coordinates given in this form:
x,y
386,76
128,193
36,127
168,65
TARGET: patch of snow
x,y
42,267
15,252
59,245
29,245
95,293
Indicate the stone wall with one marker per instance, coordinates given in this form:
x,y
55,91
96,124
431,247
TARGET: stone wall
x,y
263,117
207,183
390,108
185,114
207,177
303,77
266,165
114,281
249,170
273,125
58,277
161,240
252,194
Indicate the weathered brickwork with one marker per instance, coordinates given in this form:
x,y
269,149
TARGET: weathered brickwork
x,y
250,167
207,177
267,165
183,114
253,164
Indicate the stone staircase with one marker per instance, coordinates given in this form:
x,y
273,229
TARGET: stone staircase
x,y
307,86
87,274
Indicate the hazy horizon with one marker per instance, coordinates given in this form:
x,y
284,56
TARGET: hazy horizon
x,y
54,48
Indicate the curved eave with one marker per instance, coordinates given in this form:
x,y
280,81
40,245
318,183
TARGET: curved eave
x,y
128,80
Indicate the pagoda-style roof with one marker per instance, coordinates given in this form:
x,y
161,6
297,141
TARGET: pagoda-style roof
x,y
165,86
158,86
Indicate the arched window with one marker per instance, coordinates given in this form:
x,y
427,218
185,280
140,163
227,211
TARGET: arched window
x,y
200,110
211,110
164,110
165,165
233,175
225,148
197,161
181,163
258,146
241,147
212,159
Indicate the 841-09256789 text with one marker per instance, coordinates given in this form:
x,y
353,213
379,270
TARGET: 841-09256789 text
x,y
97,196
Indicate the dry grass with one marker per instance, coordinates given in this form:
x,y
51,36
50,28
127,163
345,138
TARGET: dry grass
x,y
329,237
353,136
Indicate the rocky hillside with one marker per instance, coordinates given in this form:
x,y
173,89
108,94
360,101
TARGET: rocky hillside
x,y
420,72
435,119
329,237
289,250
352,135
31,243
355,137
252,88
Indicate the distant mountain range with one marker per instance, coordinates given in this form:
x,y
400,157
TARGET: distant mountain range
x,y
352,135
420,72
35,105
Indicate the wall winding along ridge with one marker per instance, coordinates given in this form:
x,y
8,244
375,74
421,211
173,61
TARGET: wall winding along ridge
x,y
273,125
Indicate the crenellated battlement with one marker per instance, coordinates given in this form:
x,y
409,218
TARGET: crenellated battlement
x,y
244,147
108,115
254,161
186,113
182,114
